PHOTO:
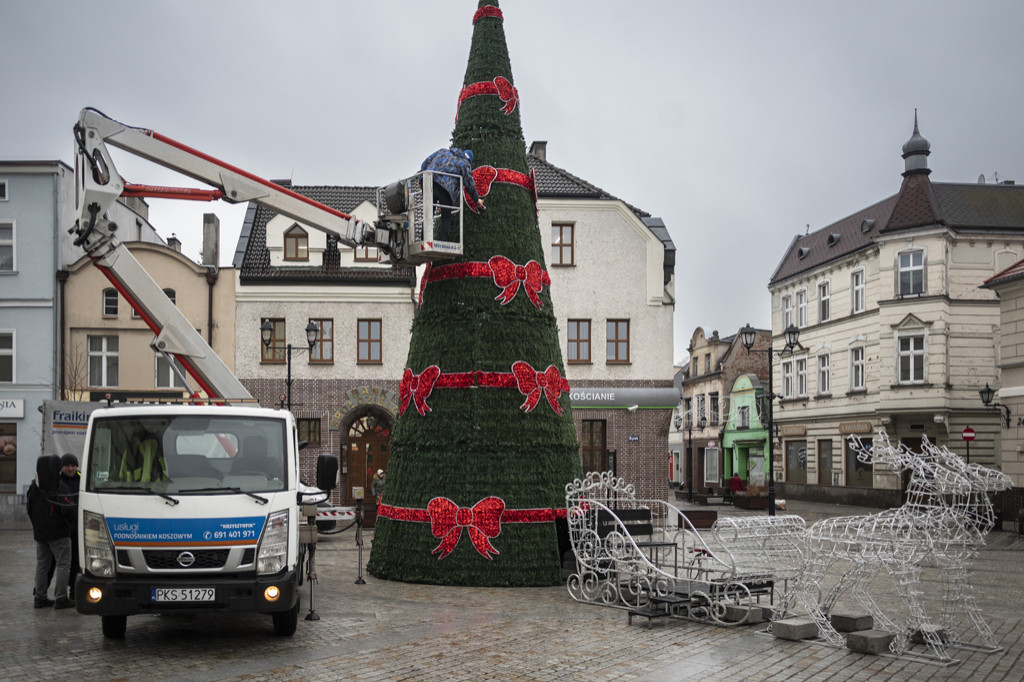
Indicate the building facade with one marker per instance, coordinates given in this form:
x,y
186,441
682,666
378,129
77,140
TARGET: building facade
x,y
612,284
895,333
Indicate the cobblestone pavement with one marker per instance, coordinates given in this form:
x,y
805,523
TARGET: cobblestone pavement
x,y
395,631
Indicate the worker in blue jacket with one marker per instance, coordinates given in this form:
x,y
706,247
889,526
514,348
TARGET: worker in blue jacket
x,y
455,162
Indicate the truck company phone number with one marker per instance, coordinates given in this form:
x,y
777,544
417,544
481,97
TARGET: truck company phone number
x,y
234,534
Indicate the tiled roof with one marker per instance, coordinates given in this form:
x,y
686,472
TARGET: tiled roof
x,y
1010,274
834,241
255,260
557,183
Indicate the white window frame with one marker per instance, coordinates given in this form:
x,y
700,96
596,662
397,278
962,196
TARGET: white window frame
x,y
801,308
858,291
858,381
911,269
909,356
824,377
801,376
701,406
787,378
109,302
165,376
824,301
105,355
11,352
743,417
787,311
13,243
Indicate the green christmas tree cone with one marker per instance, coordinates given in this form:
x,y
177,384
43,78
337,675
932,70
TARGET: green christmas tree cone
x,y
485,442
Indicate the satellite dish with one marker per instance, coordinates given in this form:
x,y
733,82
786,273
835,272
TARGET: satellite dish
x,y
981,179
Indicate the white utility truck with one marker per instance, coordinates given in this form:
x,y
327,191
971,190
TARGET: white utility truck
x,y
199,508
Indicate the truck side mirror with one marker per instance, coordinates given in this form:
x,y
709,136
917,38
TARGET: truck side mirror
x,y
48,473
326,471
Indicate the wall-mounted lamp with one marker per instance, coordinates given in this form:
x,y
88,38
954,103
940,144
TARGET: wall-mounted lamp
x,y
987,394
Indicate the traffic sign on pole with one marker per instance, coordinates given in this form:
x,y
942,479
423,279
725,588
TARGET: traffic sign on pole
x,y
968,434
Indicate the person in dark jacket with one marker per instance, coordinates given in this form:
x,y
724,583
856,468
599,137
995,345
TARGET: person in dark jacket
x,y
67,489
52,533
454,162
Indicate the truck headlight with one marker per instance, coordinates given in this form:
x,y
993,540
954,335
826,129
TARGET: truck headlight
x,y
273,554
99,553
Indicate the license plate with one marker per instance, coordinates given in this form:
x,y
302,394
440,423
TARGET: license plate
x,y
184,594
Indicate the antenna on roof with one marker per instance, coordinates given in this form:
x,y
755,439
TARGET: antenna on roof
x,y
807,230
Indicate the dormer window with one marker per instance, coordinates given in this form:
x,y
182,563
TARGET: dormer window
x,y
296,244
833,239
802,252
866,225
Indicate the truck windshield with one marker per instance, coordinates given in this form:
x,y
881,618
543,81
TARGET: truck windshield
x,y
186,454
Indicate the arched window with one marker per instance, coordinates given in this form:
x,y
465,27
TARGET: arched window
x,y
296,244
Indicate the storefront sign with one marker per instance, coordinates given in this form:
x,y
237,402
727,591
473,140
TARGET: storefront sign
x,y
793,430
596,397
854,427
12,408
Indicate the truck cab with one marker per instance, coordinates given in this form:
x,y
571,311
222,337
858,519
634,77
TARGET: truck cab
x,y
190,509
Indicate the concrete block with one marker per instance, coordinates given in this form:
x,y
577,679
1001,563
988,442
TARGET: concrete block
x,y
919,635
869,641
851,622
734,613
795,628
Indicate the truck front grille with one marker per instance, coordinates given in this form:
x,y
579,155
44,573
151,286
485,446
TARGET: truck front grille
x,y
204,558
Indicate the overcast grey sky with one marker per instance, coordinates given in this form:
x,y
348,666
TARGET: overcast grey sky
x,y
739,123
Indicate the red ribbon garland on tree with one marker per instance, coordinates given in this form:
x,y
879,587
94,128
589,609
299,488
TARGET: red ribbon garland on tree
x,y
500,86
416,388
483,521
483,176
507,276
488,11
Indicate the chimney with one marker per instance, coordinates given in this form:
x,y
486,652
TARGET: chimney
x,y
539,149
174,243
211,239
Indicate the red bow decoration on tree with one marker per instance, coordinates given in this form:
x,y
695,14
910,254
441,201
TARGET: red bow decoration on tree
x,y
417,387
500,86
510,276
483,520
532,384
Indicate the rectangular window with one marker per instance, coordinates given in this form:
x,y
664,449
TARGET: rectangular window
x,y
707,363
563,244
801,376
593,446
166,377
687,406
617,347
309,431
857,291
711,465
824,297
275,352
787,378
7,263
701,405
8,457
110,303
368,345
801,308
3,190
856,369
743,417
7,357
858,466
366,254
787,311
579,341
323,347
103,361
824,378
713,409
911,359
910,274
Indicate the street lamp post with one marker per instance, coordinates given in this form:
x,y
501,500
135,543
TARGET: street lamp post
x,y
748,335
266,335
987,394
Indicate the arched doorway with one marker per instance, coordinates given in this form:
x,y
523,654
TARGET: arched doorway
x,y
367,450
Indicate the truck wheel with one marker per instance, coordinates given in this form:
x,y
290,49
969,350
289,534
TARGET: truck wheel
x,y
286,622
114,626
